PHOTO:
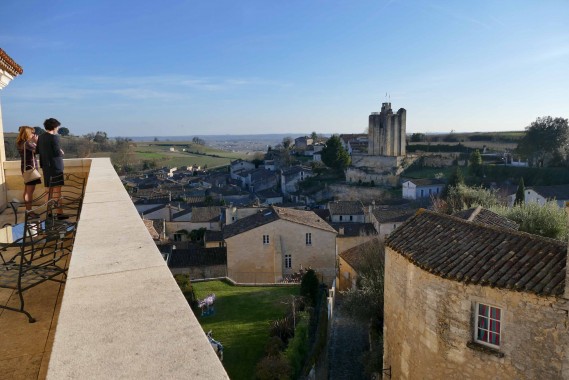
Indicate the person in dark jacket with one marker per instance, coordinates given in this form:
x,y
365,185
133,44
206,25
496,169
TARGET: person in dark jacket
x,y
26,144
51,161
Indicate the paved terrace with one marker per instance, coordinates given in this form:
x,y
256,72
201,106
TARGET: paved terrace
x,y
120,314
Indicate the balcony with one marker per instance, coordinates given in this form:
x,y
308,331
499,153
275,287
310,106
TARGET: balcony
x,y
120,313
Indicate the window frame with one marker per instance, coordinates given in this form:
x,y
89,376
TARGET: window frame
x,y
489,318
288,261
308,237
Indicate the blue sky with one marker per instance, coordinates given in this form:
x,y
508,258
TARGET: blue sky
x,y
147,68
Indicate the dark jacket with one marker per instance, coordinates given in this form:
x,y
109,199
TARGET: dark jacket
x,y
51,158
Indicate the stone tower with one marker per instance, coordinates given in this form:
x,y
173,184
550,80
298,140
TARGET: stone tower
x,y
387,131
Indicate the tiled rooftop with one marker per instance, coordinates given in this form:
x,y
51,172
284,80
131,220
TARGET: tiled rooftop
x,y
481,215
273,213
473,253
346,208
355,255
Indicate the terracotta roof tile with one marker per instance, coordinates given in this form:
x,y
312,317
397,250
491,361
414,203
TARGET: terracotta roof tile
x,y
273,213
459,250
9,65
205,214
481,215
346,208
354,255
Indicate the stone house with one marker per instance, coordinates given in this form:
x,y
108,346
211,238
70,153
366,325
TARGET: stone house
x,y
346,211
303,142
269,197
206,217
234,213
386,218
350,263
238,166
467,300
213,239
277,242
353,234
422,188
292,176
543,194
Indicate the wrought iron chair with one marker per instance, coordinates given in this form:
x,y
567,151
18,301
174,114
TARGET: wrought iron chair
x,y
37,254
73,190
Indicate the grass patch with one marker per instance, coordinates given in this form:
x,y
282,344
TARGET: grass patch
x,y
431,172
241,321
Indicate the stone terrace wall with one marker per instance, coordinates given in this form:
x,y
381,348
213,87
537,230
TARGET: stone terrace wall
x,y
429,321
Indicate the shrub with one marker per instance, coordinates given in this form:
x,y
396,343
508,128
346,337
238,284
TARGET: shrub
x,y
185,285
548,220
282,328
309,286
273,368
274,346
298,345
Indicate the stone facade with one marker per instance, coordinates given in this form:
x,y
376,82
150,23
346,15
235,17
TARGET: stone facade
x,y
429,329
250,260
387,132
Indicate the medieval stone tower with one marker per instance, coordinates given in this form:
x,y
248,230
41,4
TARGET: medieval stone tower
x,y
386,136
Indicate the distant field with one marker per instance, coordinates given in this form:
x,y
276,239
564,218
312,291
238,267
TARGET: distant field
x,y
193,154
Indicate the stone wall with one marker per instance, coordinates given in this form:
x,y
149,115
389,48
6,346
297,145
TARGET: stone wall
x,y
202,272
251,261
429,322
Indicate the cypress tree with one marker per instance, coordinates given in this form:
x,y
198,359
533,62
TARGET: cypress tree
x,y
521,193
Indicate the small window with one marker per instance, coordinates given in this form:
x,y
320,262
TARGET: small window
x,y
488,325
341,217
265,239
351,218
177,237
288,261
308,238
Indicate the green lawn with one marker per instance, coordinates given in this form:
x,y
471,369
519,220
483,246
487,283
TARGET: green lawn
x,y
431,172
241,321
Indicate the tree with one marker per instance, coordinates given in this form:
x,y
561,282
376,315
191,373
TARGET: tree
x,y
63,131
520,193
39,131
100,137
548,220
198,141
334,155
287,142
476,162
455,179
309,286
314,136
417,137
543,139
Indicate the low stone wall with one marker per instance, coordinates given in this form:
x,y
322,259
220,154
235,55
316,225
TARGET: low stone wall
x,y
202,272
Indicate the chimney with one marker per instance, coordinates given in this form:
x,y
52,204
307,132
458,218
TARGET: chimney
x,y
340,230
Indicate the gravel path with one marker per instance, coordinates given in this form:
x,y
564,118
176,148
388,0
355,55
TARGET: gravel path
x,y
348,340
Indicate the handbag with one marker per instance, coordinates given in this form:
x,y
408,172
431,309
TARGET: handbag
x,y
30,174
